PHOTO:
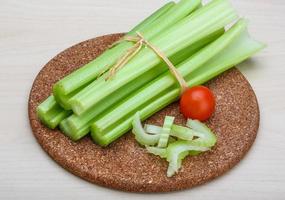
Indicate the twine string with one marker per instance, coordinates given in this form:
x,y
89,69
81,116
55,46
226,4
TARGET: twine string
x,y
140,41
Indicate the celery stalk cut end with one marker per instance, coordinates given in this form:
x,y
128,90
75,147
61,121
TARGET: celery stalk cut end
x,y
141,136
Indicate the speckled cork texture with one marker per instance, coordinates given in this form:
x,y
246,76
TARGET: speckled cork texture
x,y
124,165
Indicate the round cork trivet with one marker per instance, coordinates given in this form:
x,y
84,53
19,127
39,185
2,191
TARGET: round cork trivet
x,y
124,165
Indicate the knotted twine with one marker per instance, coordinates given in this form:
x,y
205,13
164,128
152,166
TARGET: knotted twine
x,y
140,41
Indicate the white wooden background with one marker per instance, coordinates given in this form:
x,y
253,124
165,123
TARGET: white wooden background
x,y
33,31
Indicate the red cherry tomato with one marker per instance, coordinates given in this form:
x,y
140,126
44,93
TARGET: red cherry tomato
x,y
197,103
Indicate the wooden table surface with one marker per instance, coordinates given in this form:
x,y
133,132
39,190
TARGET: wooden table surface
x,y
33,31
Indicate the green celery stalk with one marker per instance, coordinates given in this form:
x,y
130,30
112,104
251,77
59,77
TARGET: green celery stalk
x,y
63,100
50,113
146,23
80,125
240,49
47,105
65,128
89,72
177,38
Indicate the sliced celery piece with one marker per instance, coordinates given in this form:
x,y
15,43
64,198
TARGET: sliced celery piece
x,y
192,30
141,136
171,140
165,132
239,50
89,72
177,151
153,129
180,132
161,152
206,137
181,158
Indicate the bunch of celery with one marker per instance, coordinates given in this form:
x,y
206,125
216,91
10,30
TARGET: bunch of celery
x,y
191,35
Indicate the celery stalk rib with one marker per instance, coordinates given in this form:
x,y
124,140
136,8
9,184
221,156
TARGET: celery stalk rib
x,y
145,24
50,113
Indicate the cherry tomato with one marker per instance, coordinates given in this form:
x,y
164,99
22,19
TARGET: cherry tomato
x,y
197,103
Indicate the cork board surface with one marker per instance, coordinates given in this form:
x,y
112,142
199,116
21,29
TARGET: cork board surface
x,y
124,165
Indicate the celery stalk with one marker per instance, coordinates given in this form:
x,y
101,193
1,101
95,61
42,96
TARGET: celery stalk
x,y
63,100
47,105
50,113
65,129
155,16
89,72
79,125
190,31
243,48
239,50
